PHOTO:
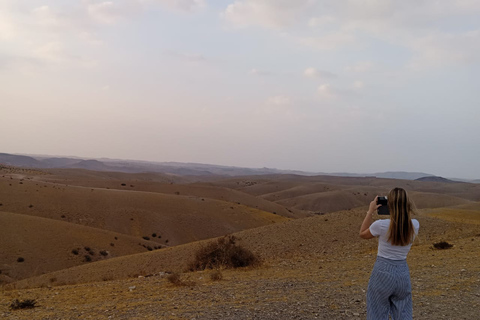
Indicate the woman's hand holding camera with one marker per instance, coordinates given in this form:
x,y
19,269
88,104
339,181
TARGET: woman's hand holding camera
x,y
373,206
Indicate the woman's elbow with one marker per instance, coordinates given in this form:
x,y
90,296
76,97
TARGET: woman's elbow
x,y
366,234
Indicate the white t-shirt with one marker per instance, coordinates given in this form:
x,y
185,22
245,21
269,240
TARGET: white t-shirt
x,y
385,249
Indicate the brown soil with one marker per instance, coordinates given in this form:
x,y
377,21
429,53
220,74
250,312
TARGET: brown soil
x,y
313,268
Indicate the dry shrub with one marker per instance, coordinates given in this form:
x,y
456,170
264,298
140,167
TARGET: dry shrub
x,y
176,280
223,253
24,304
442,245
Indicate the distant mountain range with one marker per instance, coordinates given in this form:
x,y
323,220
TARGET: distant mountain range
x,y
193,169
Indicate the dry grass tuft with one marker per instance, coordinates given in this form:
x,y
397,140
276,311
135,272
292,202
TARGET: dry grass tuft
x,y
23,304
216,275
442,245
176,279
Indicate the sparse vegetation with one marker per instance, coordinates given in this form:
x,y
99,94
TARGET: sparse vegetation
x,y
216,275
442,245
176,280
75,252
23,304
154,235
112,244
223,253
87,258
146,237
30,206
104,253
20,259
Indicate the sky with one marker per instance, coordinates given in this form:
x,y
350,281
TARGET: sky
x,y
316,85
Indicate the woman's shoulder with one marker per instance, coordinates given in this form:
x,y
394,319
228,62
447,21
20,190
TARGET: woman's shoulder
x,y
384,222
416,224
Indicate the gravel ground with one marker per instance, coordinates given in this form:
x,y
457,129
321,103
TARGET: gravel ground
x,y
446,285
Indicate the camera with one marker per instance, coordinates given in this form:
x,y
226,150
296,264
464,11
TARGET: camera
x,y
383,210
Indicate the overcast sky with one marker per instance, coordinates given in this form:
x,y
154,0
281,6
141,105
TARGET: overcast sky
x,y
317,85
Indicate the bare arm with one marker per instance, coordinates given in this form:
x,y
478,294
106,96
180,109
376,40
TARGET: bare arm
x,y
367,222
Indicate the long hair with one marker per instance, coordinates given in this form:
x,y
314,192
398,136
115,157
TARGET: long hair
x,y
401,232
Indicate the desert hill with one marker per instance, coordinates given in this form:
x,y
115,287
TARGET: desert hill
x,y
165,184
320,194
177,218
178,168
328,237
435,179
45,245
305,229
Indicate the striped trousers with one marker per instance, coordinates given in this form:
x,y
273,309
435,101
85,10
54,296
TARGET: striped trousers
x,y
389,291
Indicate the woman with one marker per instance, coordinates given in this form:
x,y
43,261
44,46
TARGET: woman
x,y
389,288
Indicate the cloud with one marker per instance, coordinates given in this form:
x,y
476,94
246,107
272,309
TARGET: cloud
x,y
280,100
265,13
183,5
438,49
106,12
187,56
331,41
314,73
360,67
338,94
257,72
7,29
326,91
358,85
45,16
330,25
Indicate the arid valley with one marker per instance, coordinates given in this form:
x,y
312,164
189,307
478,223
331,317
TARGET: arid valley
x,y
87,244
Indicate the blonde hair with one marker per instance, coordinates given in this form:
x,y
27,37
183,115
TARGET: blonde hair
x,y
401,232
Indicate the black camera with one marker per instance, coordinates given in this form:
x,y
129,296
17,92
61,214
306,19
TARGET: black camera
x,y
383,210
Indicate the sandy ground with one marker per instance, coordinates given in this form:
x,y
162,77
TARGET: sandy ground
x,y
446,285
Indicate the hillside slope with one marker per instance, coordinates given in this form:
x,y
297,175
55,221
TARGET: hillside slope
x,y
328,237
33,245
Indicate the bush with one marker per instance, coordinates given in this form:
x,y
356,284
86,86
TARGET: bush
x,y
176,280
146,238
442,245
75,252
24,304
104,253
88,258
223,253
20,259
